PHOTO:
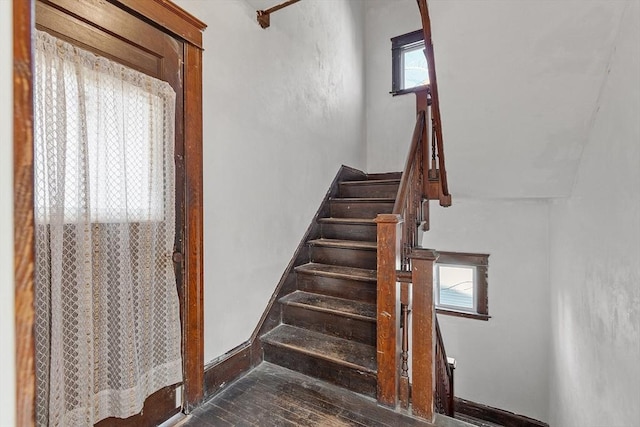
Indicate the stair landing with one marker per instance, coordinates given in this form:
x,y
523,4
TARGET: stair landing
x,y
271,396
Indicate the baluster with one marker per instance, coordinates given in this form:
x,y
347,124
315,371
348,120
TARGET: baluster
x,y
416,205
433,172
404,373
450,394
440,389
404,369
425,162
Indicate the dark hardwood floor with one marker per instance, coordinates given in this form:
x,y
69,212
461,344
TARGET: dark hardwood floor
x,y
271,395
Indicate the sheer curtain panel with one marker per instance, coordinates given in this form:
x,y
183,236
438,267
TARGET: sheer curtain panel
x,y
107,308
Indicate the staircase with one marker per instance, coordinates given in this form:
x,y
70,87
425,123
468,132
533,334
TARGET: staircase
x,y
327,322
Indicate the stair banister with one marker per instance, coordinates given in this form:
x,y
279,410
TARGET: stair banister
x,y
445,197
401,259
443,375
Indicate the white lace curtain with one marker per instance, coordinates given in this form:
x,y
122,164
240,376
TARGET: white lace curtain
x,y
107,309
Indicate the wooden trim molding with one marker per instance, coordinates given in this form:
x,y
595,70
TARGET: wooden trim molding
x,y
193,310
227,368
481,264
23,226
494,415
460,313
170,17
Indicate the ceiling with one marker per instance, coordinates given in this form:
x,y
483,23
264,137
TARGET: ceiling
x,y
519,84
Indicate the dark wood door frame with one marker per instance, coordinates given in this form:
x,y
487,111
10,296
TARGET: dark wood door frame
x,y
177,22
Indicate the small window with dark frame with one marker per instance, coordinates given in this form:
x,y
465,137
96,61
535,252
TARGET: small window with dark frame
x,y
460,285
410,71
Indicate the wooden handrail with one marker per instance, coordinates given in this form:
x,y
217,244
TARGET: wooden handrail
x,y
412,160
435,100
264,16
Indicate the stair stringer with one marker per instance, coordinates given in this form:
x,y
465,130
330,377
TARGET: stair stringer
x,y
249,354
271,317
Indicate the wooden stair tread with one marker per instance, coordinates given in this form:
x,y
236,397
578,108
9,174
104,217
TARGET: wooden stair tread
x,y
328,304
372,181
351,354
345,244
347,221
338,271
475,421
362,200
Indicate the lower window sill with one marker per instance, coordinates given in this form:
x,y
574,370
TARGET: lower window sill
x,y
410,90
458,313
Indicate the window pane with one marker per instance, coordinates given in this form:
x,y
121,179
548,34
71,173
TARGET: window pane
x,y
456,286
414,65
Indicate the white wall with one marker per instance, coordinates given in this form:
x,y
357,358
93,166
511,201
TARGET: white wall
x,y
7,346
595,259
283,109
502,362
390,120
501,65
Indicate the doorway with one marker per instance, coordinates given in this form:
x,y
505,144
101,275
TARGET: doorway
x,y
162,41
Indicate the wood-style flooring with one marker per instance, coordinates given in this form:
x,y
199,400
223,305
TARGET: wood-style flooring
x,y
270,395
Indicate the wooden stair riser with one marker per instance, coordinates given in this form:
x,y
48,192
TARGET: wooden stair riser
x,y
384,175
359,258
386,190
360,232
326,321
356,290
340,326
359,209
333,372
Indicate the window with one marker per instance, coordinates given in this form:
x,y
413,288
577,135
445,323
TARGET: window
x,y
409,65
461,284
118,156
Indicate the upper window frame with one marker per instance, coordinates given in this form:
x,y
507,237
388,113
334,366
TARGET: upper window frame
x,y
398,45
480,264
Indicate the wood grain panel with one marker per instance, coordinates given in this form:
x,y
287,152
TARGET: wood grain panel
x,y
155,411
422,340
23,227
177,21
193,309
227,368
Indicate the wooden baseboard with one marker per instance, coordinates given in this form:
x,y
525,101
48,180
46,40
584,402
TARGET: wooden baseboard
x,y
227,368
158,407
494,415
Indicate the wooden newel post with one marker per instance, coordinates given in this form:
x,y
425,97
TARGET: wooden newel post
x,y
388,316
424,334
